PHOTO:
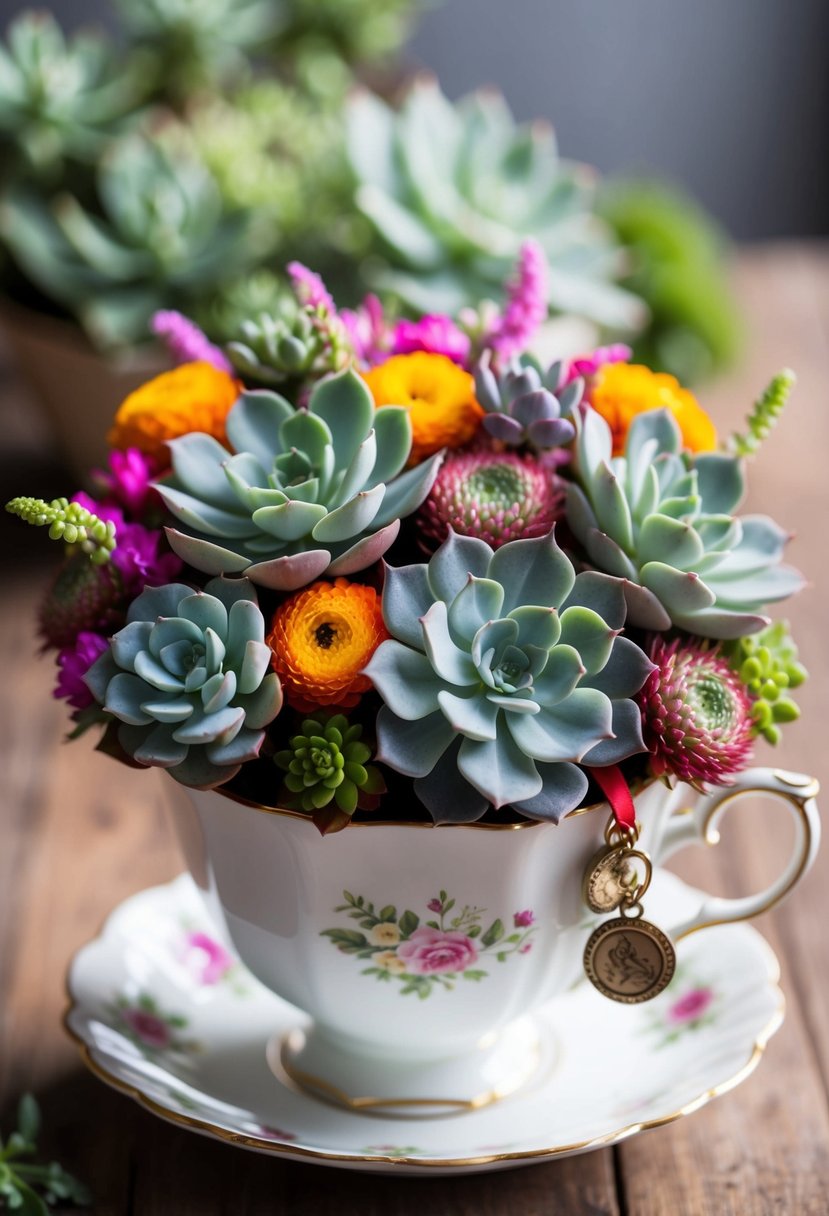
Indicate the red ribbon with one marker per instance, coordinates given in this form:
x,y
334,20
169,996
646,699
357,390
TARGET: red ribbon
x,y
617,791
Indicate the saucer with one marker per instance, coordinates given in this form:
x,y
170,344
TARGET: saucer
x,y
161,1011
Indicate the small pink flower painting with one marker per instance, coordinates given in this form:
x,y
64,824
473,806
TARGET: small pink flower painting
x,y
692,1008
151,1030
425,957
206,959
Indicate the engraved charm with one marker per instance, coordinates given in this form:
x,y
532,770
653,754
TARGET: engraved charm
x,y
629,960
608,879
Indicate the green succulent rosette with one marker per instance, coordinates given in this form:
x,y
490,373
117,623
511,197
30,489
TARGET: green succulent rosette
x,y
189,680
327,772
663,521
452,190
307,492
505,672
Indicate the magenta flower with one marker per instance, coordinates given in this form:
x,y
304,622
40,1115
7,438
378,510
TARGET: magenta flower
x,y
185,341
73,663
207,958
437,334
147,1027
526,306
142,558
127,482
310,289
368,330
587,365
691,1006
432,952
526,948
435,905
523,920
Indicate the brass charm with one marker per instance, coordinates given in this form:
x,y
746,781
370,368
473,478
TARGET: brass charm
x,y
629,960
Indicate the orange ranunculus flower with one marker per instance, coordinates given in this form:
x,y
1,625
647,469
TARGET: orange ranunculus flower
x,y
620,391
439,395
192,397
322,638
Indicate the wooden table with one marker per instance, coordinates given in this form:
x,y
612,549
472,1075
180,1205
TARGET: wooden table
x,y
79,834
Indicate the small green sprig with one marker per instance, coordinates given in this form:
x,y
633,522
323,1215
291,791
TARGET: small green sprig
x,y
767,409
20,1181
767,664
69,522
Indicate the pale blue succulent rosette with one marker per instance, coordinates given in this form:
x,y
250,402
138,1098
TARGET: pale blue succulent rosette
x,y
308,491
664,522
189,679
504,674
526,405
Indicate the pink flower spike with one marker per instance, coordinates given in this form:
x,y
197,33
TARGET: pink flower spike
x,y
128,481
435,333
526,307
185,341
523,920
587,365
368,331
309,288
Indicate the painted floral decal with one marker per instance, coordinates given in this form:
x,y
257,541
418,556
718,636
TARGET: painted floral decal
x,y
153,1032
430,955
208,963
690,1010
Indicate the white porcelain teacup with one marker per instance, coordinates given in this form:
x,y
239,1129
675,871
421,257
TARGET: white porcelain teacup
x,y
419,953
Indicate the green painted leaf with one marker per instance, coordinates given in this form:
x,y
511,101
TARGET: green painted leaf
x,y
493,934
408,923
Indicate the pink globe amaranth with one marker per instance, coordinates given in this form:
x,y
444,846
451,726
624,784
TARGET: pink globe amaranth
x,y
696,714
433,951
690,1006
147,1027
494,496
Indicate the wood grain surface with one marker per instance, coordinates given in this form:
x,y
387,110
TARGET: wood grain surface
x,y
80,834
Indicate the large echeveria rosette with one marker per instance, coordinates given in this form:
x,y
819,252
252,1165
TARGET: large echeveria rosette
x,y
663,521
308,491
504,673
188,678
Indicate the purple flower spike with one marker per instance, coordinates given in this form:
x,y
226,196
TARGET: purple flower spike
x,y
310,289
368,331
526,307
185,341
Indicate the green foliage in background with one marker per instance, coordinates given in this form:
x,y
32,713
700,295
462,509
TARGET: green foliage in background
x,y
21,1180
679,267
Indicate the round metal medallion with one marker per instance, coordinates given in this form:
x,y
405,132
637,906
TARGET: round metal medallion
x,y
629,960
606,880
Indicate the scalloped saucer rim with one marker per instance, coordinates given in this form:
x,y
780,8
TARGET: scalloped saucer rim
x,y
154,1004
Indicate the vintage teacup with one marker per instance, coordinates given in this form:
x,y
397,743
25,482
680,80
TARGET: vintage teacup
x,y
420,953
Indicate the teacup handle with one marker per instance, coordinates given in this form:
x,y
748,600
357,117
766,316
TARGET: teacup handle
x,y
700,823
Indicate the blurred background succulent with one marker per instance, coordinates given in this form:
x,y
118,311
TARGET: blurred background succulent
x,y
188,678
678,264
504,672
663,521
160,238
453,190
62,98
307,491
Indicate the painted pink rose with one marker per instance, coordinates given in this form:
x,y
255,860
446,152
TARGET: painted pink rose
x,y
147,1027
523,920
207,959
431,951
690,1006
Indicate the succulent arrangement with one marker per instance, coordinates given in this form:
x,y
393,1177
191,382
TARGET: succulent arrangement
x,y
357,595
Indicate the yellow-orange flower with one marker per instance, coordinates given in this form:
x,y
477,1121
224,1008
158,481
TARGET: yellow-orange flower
x,y
192,397
322,638
620,391
439,395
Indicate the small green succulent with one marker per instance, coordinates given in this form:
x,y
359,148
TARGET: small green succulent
x,y
200,44
290,343
768,665
663,521
453,190
189,680
327,762
69,522
526,405
307,491
62,98
504,673
163,237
